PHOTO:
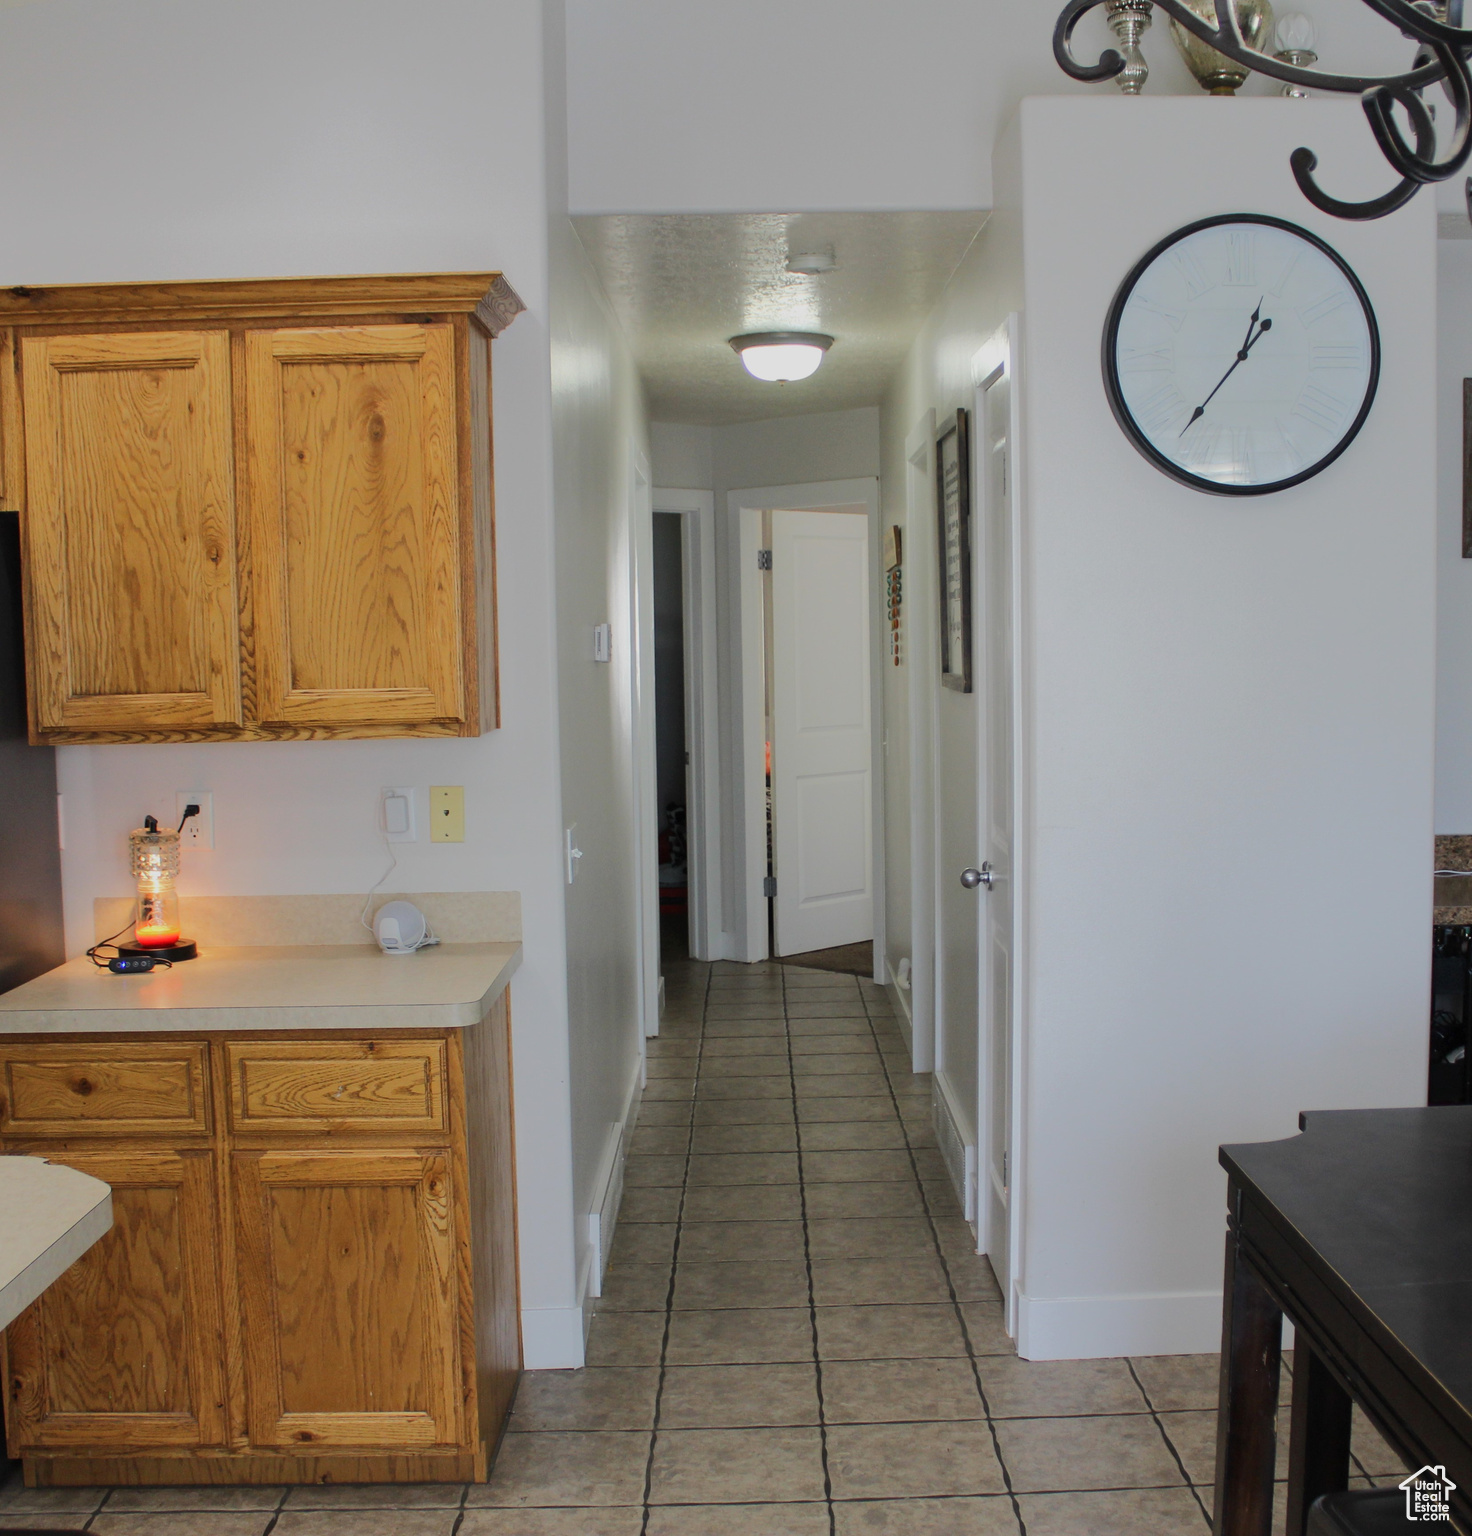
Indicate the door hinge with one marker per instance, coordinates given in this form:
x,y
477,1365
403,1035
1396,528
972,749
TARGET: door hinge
x,y
769,886
1006,1170
764,559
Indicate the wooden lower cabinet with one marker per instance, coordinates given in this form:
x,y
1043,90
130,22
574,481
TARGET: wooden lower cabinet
x,y
317,1285
124,1350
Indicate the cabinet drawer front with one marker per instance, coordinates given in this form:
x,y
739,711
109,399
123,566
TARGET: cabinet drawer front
x,y
278,1086
109,1089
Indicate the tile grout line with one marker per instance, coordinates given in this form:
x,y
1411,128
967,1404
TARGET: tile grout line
x,y
669,1299
459,1513
807,1256
946,1270
1169,1443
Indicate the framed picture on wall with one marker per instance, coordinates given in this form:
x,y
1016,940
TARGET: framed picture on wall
x,y
953,503
1467,469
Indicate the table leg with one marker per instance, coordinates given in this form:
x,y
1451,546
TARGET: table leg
x,y
1247,1407
1318,1448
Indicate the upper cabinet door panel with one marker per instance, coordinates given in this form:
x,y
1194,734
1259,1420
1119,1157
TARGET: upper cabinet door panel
x,y
356,526
131,530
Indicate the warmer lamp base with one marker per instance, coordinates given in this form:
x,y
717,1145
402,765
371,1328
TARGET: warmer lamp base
x,y
185,949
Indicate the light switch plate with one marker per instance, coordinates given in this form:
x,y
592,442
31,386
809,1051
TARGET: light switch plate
x,y
198,831
603,642
446,813
396,818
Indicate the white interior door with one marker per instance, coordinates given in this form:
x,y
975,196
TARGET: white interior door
x,y
994,469
822,773
958,908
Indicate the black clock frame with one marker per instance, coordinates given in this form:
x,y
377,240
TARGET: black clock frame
x,y
1115,395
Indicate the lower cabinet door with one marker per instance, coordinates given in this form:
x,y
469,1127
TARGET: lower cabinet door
x,y
123,1353
350,1299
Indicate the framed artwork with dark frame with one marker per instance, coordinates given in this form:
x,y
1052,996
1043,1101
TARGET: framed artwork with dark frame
x,y
1467,469
953,505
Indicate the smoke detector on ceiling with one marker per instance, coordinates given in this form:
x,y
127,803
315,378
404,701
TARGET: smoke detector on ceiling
x,y
812,263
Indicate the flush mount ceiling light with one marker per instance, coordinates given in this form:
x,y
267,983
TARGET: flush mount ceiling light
x,y
813,263
781,357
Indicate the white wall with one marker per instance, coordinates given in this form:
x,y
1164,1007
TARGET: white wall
x,y
179,139
1233,716
1454,574
598,434
935,380
841,104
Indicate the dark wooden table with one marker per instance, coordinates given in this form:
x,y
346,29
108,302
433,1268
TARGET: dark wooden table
x,y
1360,1230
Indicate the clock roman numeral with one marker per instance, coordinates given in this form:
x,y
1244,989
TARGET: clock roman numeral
x,y
1290,448
1291,266
1335,357
1160,408
1168,312
1324,306
1320,409
1193,274
1147,359
1241,252
1221,453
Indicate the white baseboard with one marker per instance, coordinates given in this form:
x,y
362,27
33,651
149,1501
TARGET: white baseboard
x,y
1104,1327
959,1153
900,997
609,1193
552,1338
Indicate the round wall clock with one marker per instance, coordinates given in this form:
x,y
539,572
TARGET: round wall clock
x,y
1241,355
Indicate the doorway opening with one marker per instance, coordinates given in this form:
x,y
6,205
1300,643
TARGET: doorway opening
x,y
811,797
671,749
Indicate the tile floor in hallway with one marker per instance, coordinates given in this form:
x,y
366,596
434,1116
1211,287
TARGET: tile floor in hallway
x,y
795,1336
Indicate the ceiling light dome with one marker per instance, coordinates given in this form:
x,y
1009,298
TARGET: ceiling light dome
x,y
781,357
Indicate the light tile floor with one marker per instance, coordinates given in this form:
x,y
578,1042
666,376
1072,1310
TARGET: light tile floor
x,y
795,1338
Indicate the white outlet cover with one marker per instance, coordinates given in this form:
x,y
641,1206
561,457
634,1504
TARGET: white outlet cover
x,y
396,816
198,831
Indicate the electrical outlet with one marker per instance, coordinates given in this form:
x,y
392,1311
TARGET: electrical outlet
x,y
198,831
446,813
396,818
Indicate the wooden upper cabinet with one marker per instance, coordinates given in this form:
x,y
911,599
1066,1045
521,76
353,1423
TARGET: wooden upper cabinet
x,y
359,550
255,510
131,522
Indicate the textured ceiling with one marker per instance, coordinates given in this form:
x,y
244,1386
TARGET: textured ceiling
x,y
684,284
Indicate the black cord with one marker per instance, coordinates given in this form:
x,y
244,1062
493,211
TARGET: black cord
x,y
104,962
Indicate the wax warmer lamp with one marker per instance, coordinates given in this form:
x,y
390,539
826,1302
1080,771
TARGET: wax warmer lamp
x,y
155,858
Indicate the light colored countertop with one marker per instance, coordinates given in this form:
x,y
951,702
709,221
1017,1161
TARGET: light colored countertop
x,y
49,1217
298,986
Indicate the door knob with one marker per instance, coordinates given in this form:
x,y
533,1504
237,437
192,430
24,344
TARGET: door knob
x,y
971,878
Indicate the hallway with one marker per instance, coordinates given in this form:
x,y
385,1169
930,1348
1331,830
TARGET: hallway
x,y
794,1311
794,1340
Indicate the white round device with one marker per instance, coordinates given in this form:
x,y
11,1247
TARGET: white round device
x,y
400,928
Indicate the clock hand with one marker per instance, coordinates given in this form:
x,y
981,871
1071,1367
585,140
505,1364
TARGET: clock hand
x,y
1262,329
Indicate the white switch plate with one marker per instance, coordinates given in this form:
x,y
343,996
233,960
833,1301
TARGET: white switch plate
x,y
603,642
396,818
198,831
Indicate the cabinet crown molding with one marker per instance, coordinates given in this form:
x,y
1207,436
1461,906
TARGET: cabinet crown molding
x,y
486,295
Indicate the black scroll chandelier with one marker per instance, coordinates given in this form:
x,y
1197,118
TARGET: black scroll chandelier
x,y
1444,46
